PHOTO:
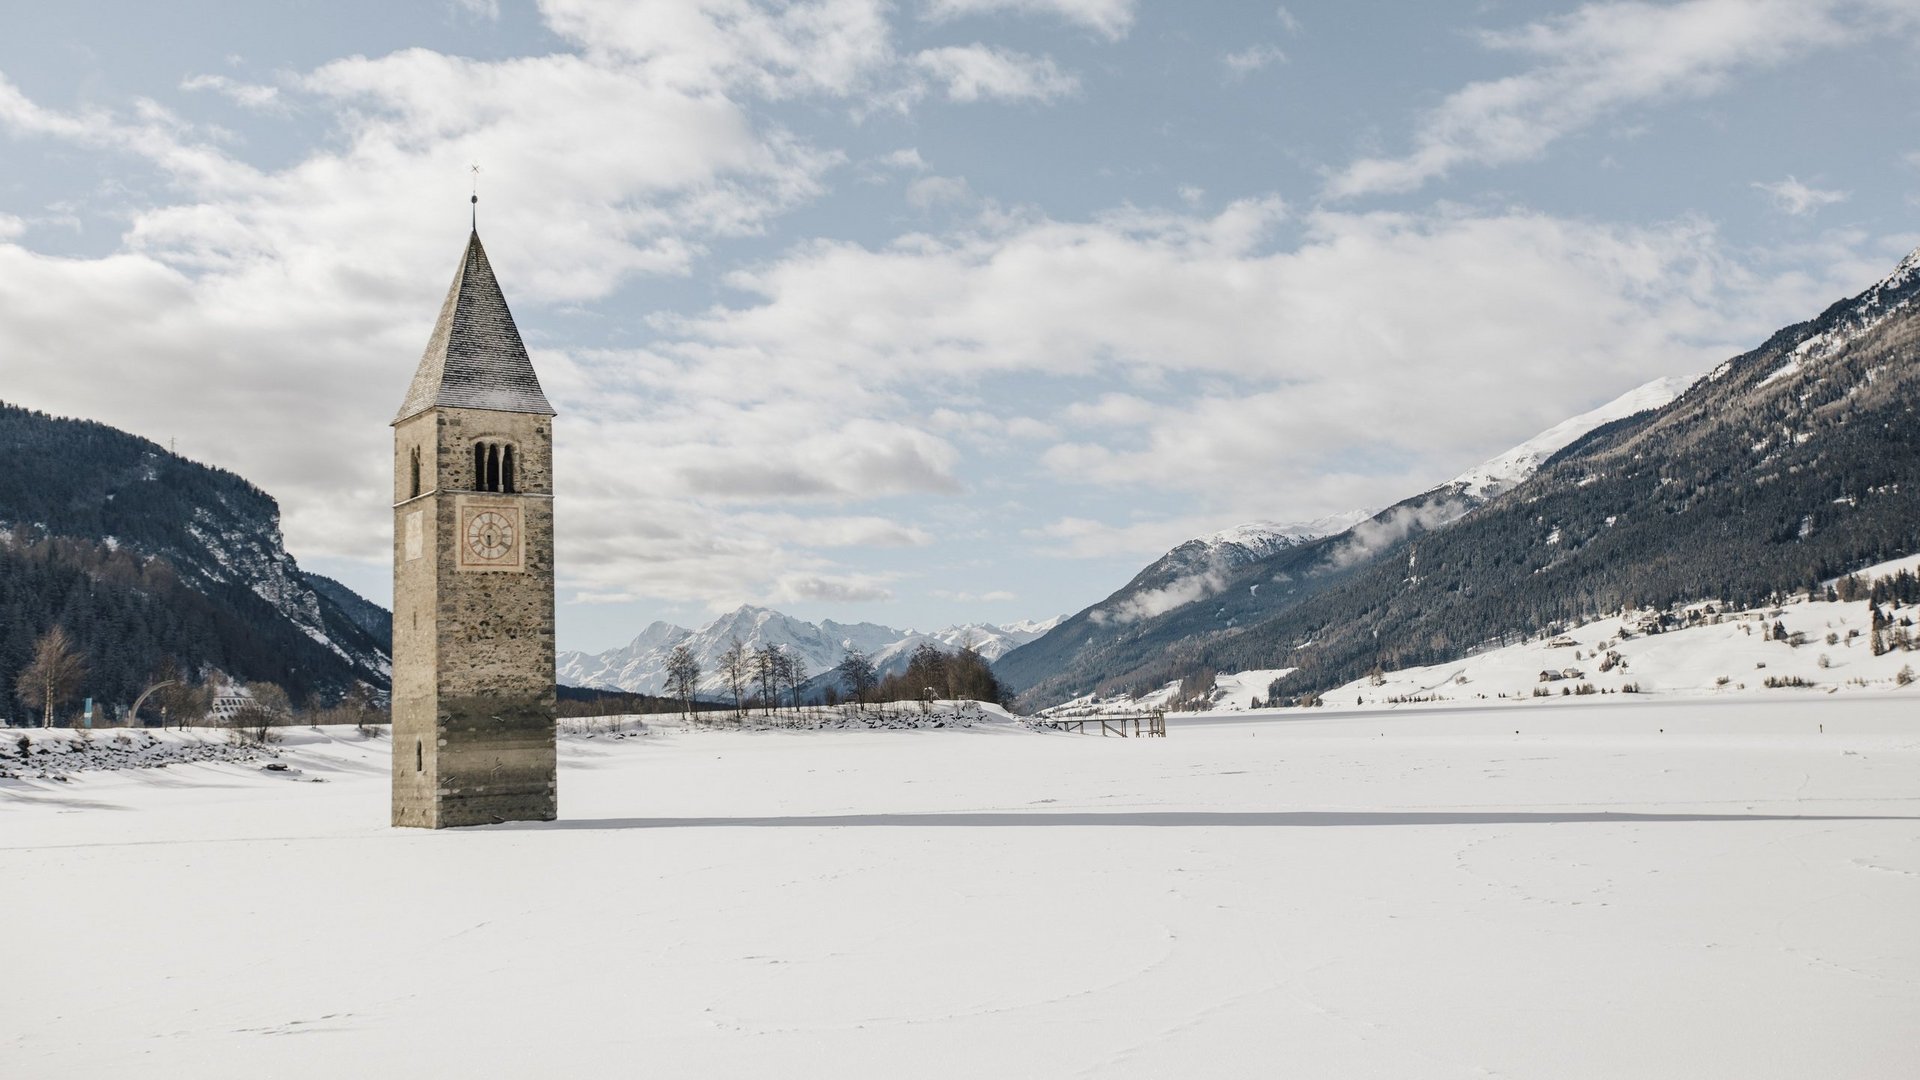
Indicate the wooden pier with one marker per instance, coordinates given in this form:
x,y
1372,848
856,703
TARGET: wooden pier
x,y
1145,725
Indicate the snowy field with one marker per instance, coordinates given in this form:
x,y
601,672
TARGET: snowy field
x,y
1643,889
1732,654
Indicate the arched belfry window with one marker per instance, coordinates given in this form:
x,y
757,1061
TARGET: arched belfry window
x,y
493,467
415,493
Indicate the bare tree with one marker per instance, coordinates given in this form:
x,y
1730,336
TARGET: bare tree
x,y
766,672
794,668
733,665
186,703
195,708
356,707
683,676
53,676
365,711
265,708
858,673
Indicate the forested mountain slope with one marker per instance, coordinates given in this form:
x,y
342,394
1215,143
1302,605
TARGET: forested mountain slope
x,y
149,559
1795,462
1158,627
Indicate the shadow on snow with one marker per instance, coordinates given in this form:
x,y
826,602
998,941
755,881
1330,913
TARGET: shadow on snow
x,y
1177,819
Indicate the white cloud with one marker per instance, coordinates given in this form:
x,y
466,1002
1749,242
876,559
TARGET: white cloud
x,y
984,429
1109,18
1376,356
749,452
835,532
993,596
1793,197
906,160
248,95
1111,410
1086,538
325,270
1605,57
982,73
1244,62
930,192
779,50
850,589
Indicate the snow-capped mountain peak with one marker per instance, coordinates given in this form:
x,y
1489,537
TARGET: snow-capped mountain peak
x,y
1263,538
1508,470
641,665
1036,627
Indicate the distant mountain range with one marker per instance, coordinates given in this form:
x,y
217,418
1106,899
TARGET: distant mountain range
x,y
148,559
640,666
1788,464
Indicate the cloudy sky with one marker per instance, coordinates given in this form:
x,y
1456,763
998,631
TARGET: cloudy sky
x,y
932,310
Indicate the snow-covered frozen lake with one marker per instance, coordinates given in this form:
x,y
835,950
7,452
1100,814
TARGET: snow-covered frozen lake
x,y
1635,890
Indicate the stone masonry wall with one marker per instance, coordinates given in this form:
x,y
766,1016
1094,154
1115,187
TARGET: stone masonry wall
x,y
482,733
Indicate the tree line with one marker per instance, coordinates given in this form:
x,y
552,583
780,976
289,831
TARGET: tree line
x,y
770,677
55,675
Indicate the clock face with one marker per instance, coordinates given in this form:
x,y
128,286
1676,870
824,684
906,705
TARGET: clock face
x,y
490,536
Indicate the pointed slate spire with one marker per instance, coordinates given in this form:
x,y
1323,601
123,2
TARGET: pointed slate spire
x,y
475,359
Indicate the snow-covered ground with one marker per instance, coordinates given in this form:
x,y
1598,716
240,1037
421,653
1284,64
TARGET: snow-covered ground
x,y
1693,890
1737,655
1232,692
1704,650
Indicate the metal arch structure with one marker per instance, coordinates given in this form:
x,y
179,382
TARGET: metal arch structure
x,y
133,714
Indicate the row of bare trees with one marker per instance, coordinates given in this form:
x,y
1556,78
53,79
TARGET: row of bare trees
x,y
767,676
755,678
771,669
56,674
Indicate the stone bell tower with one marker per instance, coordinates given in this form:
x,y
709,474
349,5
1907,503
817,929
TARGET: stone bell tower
x,y
473,679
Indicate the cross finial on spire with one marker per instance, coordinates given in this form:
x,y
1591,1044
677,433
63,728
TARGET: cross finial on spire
x,y
474,203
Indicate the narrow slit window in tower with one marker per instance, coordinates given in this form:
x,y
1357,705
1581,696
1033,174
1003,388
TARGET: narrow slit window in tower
x,y
416,474
506,470
479,466
493,467
419,757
